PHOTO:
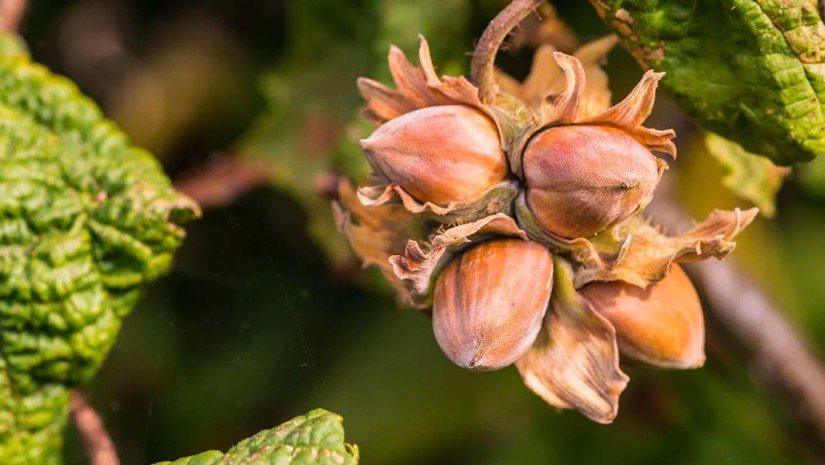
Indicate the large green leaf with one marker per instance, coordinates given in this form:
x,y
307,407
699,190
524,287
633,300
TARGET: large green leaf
x,y
85,220
752,71
316,438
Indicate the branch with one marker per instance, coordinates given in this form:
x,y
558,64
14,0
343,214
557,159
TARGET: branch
x,y
221,180
98,444
482,69
781,356
11,12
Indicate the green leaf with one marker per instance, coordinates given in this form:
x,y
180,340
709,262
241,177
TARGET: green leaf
x,y
750,176
316,438
751,71
85,221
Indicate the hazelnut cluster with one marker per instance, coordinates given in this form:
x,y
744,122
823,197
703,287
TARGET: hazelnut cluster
x,y
518,221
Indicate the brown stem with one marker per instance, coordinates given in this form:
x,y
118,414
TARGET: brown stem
x,y
11,12
221,180
96,440
482,69
780,354
782,357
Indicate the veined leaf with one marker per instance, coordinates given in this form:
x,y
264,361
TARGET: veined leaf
x,y
752,71
316,438
750,176
85,221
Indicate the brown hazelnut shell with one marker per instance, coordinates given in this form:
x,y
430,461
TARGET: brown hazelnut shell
x,y
489,302
661,324
582,179
443,154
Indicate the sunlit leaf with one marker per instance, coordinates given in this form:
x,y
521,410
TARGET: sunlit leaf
x,y
753,72
316,438
86,220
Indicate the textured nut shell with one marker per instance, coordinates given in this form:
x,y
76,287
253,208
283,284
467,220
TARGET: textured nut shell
x,y
441,154
582,179
490,301
661,325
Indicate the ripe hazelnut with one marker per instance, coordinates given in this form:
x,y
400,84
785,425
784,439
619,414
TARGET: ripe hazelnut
x,y
441,154
582,179
489,302
661,325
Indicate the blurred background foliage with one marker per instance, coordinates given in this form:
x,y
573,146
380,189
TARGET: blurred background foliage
x,y
266,315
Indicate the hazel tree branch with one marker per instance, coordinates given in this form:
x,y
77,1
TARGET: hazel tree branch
x,y
482,68
781,356
222,179
96,440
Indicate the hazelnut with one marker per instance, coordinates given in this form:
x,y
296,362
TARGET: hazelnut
x,y
489,302
661,325
582,179
441,154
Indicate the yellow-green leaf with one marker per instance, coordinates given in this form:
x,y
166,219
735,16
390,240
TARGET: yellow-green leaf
x,y
750,176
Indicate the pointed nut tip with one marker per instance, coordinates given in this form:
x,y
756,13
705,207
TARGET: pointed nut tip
x,y
479,363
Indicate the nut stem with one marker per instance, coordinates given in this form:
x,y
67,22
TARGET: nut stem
x,y
482,69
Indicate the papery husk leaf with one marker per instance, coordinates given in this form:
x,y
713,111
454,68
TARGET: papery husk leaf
x,y
630,113
596,97
547,78
636,252
562,108
418,264
417,87
647,253
543,28
497,199
375,233
574,363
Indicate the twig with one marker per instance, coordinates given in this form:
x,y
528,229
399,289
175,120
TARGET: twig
x,y
98,444
482,68
222,179
782,357
11,12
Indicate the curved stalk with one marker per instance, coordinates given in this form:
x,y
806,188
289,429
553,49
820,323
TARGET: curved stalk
x,y
482,69
96,440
